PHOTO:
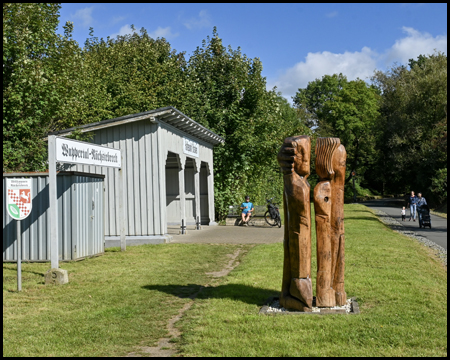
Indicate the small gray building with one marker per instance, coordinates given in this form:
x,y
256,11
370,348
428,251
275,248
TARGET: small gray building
x,y
80,215
167,160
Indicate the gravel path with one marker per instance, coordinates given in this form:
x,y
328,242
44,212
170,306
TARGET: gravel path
x,y
398,227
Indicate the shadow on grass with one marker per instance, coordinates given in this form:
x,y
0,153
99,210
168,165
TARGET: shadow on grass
x,y
14,268
248,294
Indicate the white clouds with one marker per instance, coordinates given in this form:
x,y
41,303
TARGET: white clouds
x,y
124,30
85,16
163,32
359,64
414,44
159,32
203,20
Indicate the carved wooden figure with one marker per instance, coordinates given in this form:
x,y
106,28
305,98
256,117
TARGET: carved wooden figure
x,y
329,208
294,159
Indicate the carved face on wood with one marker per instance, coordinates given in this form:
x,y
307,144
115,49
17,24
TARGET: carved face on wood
x,y
339,160
303,156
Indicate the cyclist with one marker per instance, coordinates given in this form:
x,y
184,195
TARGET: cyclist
x,y
247,208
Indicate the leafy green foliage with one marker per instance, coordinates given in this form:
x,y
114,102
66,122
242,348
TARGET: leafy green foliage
x,y
413,144
229,96
37,68
135,73
345,109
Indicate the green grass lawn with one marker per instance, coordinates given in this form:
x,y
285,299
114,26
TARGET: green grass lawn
x,y
112,303
121,300
402,294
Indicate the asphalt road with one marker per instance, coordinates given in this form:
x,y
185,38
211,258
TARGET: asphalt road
x,y
392,207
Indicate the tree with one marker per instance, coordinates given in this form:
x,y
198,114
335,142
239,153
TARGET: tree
x,y
347,110
37,68
229,96
131,74
414,118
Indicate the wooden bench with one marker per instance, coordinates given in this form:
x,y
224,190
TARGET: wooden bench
x,y
255,220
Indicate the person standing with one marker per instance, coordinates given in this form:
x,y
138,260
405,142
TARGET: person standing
x,y
421,201
412,203
403,214
247,208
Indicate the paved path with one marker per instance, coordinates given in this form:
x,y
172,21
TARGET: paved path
x,y
392,207
267,235
228,235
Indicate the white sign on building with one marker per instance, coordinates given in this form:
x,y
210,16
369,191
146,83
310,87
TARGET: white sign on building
x,y
190,147
77,152
19,198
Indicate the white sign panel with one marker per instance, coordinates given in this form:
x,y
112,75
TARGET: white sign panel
x,y
79,152
19,198
190,147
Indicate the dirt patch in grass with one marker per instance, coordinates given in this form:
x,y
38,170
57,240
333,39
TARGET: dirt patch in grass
x,y
166,346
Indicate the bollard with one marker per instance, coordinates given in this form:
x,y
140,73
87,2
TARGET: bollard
x,y
198,223
183,227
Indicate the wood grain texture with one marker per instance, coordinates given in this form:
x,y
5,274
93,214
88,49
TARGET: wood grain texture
x,y
294,159
337,225
329,207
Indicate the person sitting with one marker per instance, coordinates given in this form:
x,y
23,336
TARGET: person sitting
x,y
247,208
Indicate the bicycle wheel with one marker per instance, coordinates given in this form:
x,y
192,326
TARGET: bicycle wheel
x,y
269,220
279,220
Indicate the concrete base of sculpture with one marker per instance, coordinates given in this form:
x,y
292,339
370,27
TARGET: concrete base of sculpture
x,y
56,277
273,307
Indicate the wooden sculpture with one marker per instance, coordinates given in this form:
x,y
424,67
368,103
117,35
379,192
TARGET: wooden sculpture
x,y
329,208
294,159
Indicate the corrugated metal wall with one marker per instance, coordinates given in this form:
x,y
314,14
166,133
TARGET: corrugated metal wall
x,y
80,215
139,145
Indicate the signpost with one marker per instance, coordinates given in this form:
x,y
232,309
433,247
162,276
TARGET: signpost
x,y
65,150
19,204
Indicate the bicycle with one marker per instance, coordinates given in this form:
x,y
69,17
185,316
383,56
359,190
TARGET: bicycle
x,y
272,215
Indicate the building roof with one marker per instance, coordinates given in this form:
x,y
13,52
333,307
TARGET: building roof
x,y
168,115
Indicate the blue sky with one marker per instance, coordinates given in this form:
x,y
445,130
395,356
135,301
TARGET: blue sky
x,y
296,43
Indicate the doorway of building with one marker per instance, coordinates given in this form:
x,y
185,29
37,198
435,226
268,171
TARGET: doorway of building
x,y
172,190
204,199
189,186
